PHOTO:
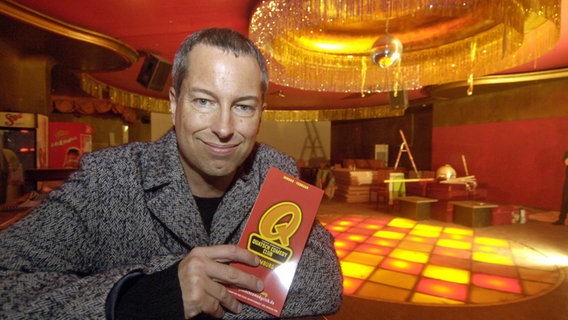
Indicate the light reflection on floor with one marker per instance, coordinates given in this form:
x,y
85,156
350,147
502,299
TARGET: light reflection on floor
x,y
391,258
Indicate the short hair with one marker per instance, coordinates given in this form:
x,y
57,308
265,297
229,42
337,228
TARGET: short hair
x,y
222,38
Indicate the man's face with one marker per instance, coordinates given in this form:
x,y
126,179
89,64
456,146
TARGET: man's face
x,y
218,112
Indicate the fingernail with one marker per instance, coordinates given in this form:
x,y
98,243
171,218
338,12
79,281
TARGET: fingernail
x,y
259,285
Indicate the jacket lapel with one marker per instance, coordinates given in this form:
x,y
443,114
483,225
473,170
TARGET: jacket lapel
x,y
234,210
167,194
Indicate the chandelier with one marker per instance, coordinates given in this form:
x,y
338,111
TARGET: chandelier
x,y
340,45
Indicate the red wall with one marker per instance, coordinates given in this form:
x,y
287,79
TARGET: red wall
x,y
520,162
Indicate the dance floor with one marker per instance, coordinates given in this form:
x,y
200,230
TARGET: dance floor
x,y
390,258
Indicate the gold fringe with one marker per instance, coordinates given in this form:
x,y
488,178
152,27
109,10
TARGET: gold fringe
x,y
332,114
102,90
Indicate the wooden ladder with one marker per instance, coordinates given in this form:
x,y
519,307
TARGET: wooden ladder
x,y
312,143
404,147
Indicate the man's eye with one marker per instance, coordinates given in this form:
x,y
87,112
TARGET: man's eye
x,y
202,102
244,110
204,105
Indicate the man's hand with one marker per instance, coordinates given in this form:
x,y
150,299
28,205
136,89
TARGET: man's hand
x,y
203,274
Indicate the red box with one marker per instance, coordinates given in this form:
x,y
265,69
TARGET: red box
x,y
68,141
502,215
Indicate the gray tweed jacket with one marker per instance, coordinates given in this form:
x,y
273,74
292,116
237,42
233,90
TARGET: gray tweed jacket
x,y
130,208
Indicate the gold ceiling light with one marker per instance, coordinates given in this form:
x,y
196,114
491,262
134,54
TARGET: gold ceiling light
x,y
335,45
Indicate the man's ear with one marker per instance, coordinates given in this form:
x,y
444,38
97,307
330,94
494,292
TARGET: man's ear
x,y
173,104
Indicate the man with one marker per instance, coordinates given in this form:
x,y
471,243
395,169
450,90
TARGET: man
x,y
148,229
564,204
11,176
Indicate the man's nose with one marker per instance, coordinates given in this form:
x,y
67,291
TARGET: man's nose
x,y
223,123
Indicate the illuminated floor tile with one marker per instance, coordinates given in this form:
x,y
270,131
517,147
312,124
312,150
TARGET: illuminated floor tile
x,y
442,289
494,242
491,249
415,246
447,274
496,282
333,232
458,231
424,235
386,234
378,220
450,262
455,244
356,270
363,258
483,296
457,237
352,237
382,242
345,223
402,223
427,227
351,285
362,231
402,266
404,231
336,228
451,252
420,239
341,253
495,269
379,291
372,249
410,255
418,297
344,245
394,279
369,226
493,258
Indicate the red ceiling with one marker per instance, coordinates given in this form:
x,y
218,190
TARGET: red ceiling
x,y
159,26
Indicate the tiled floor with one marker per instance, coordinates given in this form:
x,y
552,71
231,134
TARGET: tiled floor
x,y
390,261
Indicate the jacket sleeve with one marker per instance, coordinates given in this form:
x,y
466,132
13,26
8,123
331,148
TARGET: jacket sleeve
x,y
51,263
318,283
48,276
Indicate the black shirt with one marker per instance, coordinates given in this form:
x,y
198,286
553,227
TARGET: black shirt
x,y
158,295
207,208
